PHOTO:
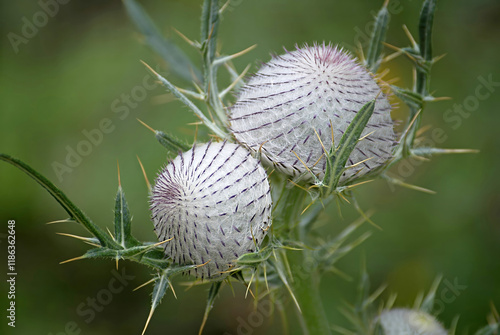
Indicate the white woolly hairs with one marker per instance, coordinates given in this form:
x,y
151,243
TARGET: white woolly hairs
x,y
305,91
410,322
214,201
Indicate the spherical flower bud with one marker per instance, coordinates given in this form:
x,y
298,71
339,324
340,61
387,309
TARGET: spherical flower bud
x,y
409,322
308,91
214,202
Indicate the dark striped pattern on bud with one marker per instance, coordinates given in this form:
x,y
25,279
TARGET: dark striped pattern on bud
x,y
410,322
214,201
307,90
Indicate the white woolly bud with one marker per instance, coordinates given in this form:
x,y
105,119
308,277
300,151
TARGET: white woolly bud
x,y
305,91
214,201
400,321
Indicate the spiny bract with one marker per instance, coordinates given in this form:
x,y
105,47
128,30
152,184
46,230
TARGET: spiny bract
x,y
214,201
295,95
410,322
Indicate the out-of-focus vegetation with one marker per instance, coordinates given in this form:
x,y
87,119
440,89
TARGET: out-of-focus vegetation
x,y
82,67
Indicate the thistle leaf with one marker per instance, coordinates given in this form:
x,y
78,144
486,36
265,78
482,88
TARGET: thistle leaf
x,y
428,303
373,56
176,59
491,329
425,45
255,258
123,221
278,266
429,151
212,294
217,131
74,212
425,28
209,28
413,100
341,153
159,291
171,143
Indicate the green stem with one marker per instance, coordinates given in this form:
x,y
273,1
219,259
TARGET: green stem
x,y
306,289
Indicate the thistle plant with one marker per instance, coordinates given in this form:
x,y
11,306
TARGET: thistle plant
x,y
309,127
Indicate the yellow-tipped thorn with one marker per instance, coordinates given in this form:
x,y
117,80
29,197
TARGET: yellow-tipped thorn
x,y
440,99
367,218
320,141
299,186
93,244
307,207
85,239
192,43
307,168
409,35
147,321
344,198
119,178
358,184
172,288
145,125
73,259
362,138
60,221
109,232
242,52
150,68
233,84
162,242
358,163
200,265
144,173
438,58
224,6
423,130
146,283
248,286
392,56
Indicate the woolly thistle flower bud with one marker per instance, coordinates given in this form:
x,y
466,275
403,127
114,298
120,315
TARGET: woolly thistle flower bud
x,y
309,90
410,322
214,201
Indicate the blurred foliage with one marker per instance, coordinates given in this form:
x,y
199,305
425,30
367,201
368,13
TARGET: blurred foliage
x,y
67,77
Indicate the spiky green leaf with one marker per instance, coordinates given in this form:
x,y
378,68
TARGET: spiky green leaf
x,y
209,28
373,55
177,60
429,151
413,100
74,212
171,143
123,221
339,155
255,258
425,45
489,329
212,294
425,28
217,131
428,303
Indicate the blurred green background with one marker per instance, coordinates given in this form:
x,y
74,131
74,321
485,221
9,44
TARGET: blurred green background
x,y
67,76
